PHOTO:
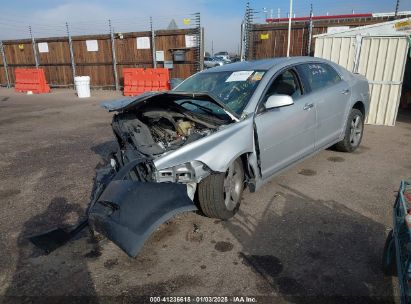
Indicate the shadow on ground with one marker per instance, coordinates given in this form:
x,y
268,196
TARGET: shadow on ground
x,y
404,115
104,150
38,275
313,251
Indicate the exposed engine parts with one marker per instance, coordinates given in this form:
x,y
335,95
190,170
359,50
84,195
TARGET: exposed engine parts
x,y
154,132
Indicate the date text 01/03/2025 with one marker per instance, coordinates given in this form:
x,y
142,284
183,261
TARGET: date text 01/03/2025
x,y
203,299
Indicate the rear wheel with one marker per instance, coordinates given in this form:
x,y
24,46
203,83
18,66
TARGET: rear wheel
x,y
353,132
220,194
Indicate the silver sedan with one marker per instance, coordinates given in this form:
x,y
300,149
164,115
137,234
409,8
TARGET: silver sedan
x,y
219,131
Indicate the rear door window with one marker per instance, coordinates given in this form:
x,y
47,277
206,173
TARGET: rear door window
x,y
319,75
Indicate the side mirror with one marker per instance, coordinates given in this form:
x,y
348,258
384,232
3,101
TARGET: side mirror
x,y
276,101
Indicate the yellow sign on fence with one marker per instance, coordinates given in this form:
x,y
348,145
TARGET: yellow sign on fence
x,y
264,36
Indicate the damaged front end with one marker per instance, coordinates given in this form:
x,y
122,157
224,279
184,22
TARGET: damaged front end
x,y
132,198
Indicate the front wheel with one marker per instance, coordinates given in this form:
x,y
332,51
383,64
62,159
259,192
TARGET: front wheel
x,y
220,194
353,132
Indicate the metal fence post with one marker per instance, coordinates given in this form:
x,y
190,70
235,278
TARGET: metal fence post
x,y
310,31
113,51
202,49
153,43
249,46
33,42
73,65
290,16
199,66
5,64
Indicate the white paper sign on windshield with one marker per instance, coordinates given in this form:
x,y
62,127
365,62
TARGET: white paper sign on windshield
x,y
239,76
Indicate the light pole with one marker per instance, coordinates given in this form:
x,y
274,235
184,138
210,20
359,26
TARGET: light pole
x,y
265,11
396,8
289,28
212,48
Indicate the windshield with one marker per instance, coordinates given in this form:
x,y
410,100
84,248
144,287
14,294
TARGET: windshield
x,y
234,89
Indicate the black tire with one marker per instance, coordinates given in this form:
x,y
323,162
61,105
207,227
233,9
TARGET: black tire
x,y
212,191
352,139
389,260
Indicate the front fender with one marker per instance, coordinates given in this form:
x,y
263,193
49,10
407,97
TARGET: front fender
x,y
216,150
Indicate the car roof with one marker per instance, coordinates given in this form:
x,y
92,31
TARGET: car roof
x,y
263,64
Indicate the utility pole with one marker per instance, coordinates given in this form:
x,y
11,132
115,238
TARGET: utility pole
x,y
396,8
289,28
265,11
242,40
212,48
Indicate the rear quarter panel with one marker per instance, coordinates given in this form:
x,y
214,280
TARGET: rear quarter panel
x,y
359,88
361,91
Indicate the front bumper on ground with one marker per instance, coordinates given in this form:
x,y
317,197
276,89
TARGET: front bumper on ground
x,y
124,208
128,211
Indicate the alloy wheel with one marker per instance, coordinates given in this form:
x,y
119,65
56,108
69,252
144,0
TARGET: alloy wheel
x,y
233,181
356,130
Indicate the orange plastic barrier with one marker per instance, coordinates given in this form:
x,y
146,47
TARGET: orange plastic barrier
x,y
31,80
138,80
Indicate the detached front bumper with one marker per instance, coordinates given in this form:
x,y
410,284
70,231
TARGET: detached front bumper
x,y
127,211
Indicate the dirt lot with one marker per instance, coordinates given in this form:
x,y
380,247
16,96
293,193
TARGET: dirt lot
x,y
316,230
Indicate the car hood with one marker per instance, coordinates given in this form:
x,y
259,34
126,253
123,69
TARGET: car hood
x,y
126,103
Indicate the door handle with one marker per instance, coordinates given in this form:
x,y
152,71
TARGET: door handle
x,y
345,92
308,106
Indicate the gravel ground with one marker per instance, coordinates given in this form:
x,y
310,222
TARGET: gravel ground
x,y
315,232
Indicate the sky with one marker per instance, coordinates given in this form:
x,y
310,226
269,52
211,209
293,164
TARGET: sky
x,y
221,19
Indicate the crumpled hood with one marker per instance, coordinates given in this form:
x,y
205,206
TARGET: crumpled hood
x,y
127,102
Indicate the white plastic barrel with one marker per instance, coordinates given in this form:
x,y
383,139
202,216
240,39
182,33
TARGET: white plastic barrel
x,y
82,84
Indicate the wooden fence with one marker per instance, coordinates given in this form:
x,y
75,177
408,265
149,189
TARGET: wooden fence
x,y
270,40
100,65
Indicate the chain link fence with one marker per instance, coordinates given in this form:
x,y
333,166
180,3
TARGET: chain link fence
x,y
101,48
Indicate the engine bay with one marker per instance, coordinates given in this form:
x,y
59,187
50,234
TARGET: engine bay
x,y
156,131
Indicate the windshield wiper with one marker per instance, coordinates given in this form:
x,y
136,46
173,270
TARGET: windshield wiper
x,y
205,109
